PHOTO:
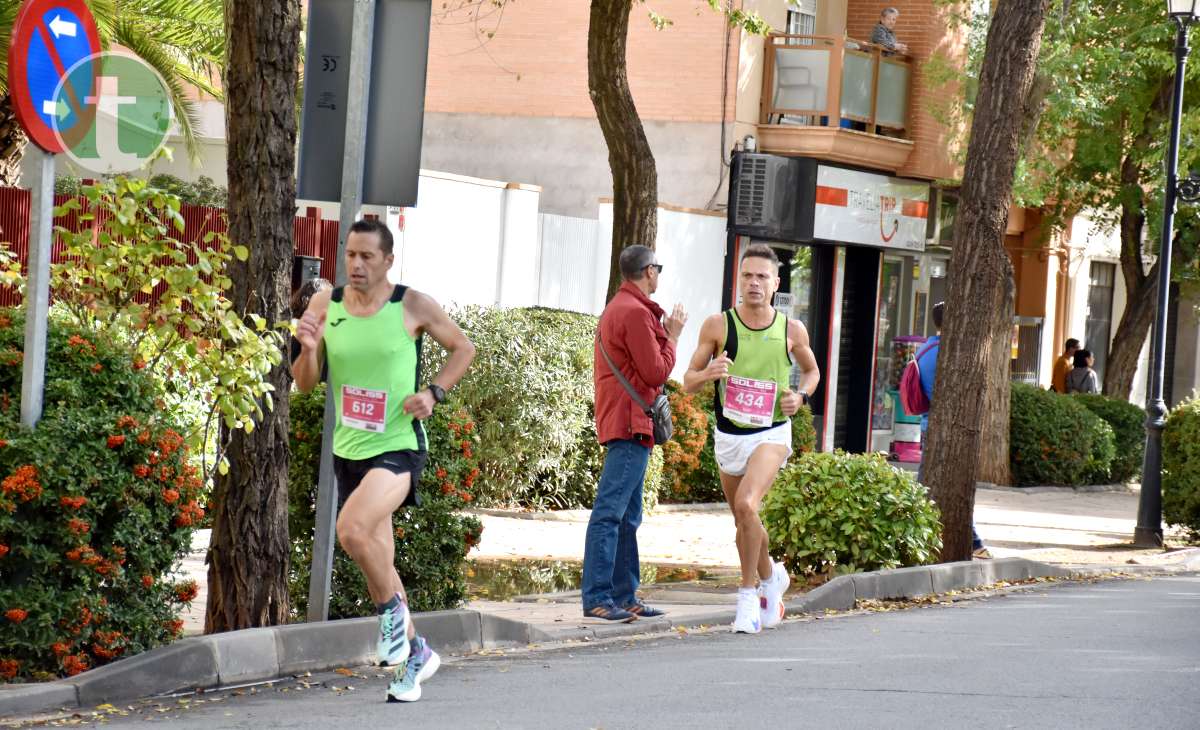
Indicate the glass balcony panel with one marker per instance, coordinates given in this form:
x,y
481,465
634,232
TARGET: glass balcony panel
x,y
801,79
858,71
891,109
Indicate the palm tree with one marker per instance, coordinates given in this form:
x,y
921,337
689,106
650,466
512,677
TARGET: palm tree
x,y
184,40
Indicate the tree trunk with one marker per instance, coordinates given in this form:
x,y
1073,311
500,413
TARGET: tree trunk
x,y
994,465
12,144
635,179
1140,304
973,363
248,557
1141,287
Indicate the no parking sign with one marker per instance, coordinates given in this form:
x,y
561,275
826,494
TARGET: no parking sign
x,y
111,112
51,79
54,43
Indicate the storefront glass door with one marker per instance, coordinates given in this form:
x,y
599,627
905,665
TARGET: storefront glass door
x,y
882,413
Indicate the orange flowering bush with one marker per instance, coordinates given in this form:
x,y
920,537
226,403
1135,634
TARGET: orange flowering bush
x,y
681,455
455,468
432,539
85,543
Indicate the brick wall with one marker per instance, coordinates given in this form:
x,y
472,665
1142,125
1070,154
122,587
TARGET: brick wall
x,y
924,27
536,63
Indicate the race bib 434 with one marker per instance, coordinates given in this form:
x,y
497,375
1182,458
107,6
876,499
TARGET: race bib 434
x,y
750,401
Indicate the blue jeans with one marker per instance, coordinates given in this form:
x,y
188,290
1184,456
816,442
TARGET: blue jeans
x,y
610,551
976,540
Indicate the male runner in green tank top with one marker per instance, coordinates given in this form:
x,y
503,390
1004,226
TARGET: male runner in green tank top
x,y
369,333
748,352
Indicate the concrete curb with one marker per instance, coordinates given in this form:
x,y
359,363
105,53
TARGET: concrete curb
x,y
256,655
841,593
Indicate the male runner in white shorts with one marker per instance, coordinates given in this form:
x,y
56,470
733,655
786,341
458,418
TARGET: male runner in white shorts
x,y
748,352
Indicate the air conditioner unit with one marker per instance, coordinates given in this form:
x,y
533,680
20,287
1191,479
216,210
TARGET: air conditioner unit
x,y
765,197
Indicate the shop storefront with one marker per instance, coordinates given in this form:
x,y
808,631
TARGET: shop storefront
x,y
861,274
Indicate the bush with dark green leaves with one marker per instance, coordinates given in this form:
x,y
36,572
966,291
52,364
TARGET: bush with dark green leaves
x,y
838,512
1054,439
1181,468
1128,423
530,392
202,192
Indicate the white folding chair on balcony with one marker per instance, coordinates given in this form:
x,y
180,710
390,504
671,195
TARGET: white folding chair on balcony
x,y
794,90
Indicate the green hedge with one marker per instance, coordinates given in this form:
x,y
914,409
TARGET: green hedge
x,y
839,512
97,505
1181,468
1056,440
432,540
1128,423
530,391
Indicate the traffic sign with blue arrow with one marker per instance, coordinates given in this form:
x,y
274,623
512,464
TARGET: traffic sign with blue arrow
x,y
50,37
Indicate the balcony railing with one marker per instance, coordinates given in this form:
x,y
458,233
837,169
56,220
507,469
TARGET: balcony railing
x,y
825,81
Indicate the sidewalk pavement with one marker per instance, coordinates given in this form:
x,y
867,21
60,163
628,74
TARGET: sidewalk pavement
x,y
1054,525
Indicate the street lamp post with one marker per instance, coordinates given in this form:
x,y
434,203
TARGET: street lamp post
x,y
1149,524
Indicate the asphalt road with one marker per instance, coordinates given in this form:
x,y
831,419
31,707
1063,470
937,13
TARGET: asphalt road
x,y
1112,654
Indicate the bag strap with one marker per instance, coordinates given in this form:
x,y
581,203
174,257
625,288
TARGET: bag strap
x,y
924,349
620,377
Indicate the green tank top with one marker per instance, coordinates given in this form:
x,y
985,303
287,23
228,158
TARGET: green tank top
x,y
760,355
374,364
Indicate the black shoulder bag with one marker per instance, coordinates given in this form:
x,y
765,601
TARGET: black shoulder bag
x,y
659,413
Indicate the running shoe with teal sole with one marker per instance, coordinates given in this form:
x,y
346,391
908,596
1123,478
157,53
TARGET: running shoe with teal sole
x,y
423,664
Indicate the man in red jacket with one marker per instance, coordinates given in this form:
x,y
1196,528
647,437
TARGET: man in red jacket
x,y
641,344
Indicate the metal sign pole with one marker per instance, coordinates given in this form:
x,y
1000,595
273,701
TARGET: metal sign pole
x,y
37,293
357,106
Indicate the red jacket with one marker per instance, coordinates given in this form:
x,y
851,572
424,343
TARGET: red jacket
x,y
632,332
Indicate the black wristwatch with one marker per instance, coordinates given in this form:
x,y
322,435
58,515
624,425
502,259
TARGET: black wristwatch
x,y
439,393
804,398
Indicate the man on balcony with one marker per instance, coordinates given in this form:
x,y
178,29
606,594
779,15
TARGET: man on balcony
x,y
884,35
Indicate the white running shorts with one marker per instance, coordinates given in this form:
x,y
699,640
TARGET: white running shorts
x,y
733,451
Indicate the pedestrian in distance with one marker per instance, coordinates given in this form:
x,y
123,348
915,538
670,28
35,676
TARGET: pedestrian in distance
x,y
635,350
748,352
1063,365
927,364
369,335
1082,379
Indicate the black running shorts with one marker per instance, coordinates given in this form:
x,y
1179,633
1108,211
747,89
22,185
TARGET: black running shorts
x,y
350,472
